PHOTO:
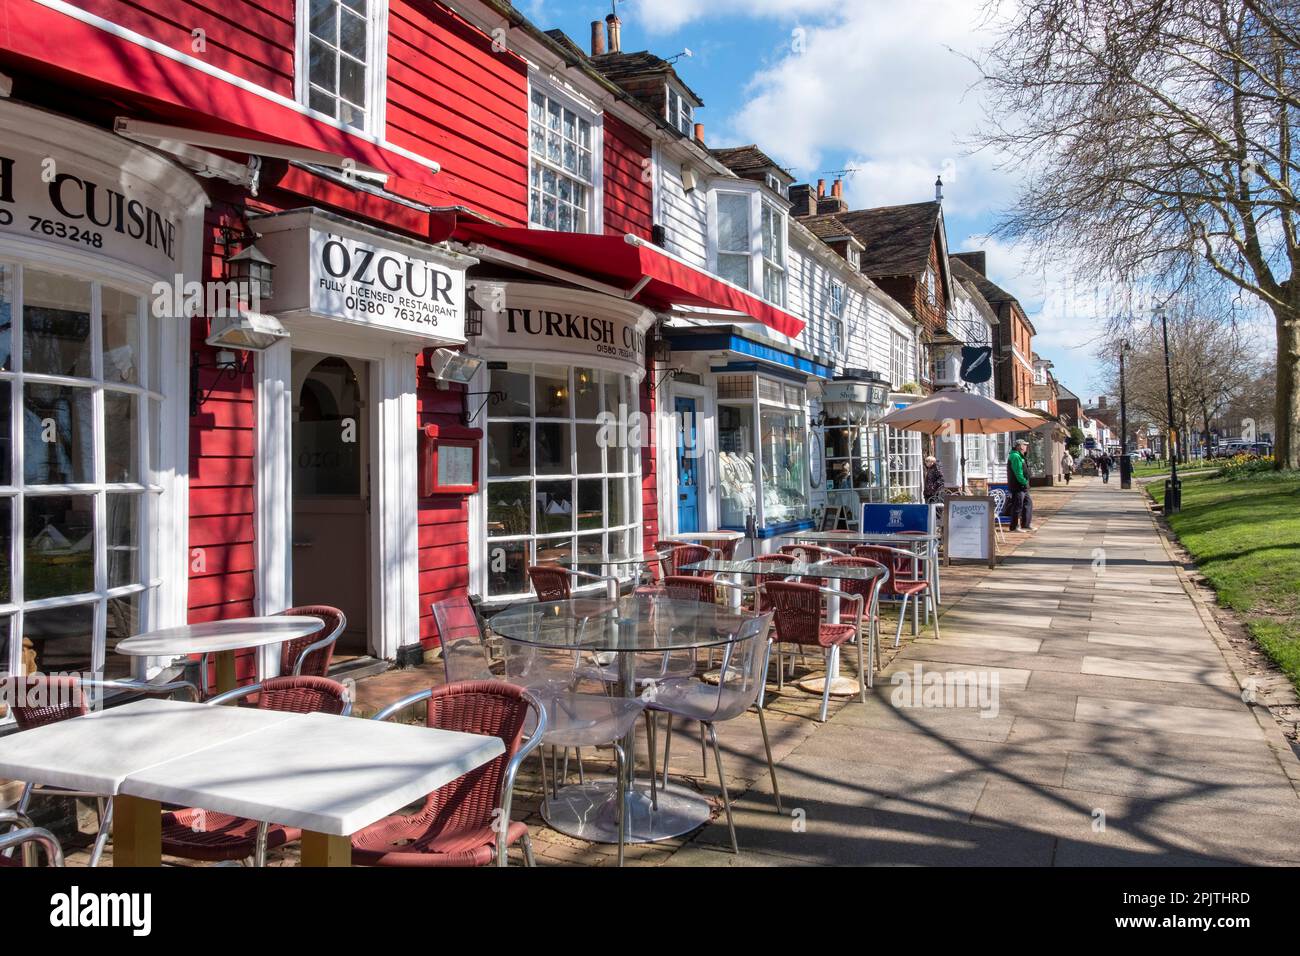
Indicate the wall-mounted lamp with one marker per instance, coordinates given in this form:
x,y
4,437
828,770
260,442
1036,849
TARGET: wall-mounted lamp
x,y
251,270
242,329
447,367
473,315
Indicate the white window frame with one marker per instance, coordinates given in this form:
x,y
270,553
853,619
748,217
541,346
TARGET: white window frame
x,y
596,187
757,261
163,504
899,372
835,289
376,68
930,297
679,110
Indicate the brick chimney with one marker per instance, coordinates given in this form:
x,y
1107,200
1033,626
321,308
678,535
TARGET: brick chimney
x,y
835,201
699,133
837,189
597,38
803,200
615,28
821,189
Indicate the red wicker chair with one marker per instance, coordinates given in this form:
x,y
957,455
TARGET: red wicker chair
x,y
550,581
810,554
798,609
679,556
870,617
455,827
688,587
196,834
905,582
310,655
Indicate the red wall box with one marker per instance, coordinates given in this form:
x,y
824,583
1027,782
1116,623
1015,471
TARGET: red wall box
x,y
438,439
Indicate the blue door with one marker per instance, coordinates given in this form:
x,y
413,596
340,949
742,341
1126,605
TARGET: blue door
x,y
688,460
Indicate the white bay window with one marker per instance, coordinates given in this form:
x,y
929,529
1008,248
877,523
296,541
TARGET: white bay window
x,y
747,236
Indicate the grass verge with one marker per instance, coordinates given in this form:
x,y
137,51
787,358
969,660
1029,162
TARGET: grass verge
x,y
1245,537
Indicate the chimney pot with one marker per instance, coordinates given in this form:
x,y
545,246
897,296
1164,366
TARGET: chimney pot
x,y
821,189
615,28
699,133
837,189
597,38
938,189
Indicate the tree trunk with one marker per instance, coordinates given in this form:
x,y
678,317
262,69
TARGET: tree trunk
x,y
1286,416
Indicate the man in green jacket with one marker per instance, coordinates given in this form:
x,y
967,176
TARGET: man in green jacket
x,y
1022,506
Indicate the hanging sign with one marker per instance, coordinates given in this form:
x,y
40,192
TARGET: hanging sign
x,y
976,363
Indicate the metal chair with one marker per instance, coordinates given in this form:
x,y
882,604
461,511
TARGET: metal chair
x,y
464,645
741,675
24,833
554,583
196,834
39,699
309,655
869,591
905,582
1000,500
797,611
574,719
461,823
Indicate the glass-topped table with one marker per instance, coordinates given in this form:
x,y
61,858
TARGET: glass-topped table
x,y
609,562
625,628
840,685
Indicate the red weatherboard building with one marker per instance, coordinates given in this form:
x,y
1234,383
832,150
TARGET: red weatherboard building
x,y
389,158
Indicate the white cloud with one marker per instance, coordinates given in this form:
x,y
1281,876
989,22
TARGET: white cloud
x,y
665,16
887,85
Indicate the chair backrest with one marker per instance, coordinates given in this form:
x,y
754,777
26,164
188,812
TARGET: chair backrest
x,y
809,553
687,554
796,611
776,560
12,842
460,633
902,565
488,708
550,581
40,699
868,590
295,695
688,587
740,673
1000,499
310,655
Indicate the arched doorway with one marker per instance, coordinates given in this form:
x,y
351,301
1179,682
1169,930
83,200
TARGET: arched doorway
x,y
331,490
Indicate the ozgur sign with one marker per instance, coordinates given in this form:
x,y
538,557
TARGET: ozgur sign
x,y
336,270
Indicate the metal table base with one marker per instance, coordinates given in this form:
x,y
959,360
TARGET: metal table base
x,y
590,812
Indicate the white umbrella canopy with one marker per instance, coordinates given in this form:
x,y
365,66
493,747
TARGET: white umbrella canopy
x,y
952,411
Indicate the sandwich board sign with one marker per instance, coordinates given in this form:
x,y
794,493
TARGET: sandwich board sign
x,y
968,528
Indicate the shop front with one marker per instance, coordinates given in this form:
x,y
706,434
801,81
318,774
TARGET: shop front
x,y
338,436
855,445
564,433
738,412
95,233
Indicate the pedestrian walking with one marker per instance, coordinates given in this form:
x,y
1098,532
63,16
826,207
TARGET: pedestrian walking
x,y
1067,465
1103,465
1022,506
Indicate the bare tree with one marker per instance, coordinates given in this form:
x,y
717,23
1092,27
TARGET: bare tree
x,y
1158,138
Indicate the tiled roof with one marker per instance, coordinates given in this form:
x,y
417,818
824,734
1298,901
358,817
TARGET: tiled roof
x,y
897,238
625,66
988,288
745,159
827,227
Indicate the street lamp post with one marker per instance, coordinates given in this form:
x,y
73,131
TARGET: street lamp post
x,y
1125,465
1173,487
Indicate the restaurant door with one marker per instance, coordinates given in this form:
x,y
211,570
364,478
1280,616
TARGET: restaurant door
x,y
688,457
331,490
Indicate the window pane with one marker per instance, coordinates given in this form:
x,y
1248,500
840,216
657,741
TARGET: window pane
x,y
552,391
352,35
6,438
618,513
513,381
586,394
591,456
123,619
322,66
734,269
123,522
121,337
352,81
58,440
59,557
591,504
553,452
508,508
554,506
733,222
121,438
56,324
507,568
6,315
61,638
509,449
323,20
6,545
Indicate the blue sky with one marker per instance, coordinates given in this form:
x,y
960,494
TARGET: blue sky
x,y
879,86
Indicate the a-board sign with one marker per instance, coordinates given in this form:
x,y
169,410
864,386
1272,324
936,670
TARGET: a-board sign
x,y
968,528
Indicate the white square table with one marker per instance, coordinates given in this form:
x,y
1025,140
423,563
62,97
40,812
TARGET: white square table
x,y
329,776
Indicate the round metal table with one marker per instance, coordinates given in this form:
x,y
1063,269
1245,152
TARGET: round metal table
x,y
221,638
609,561
632,625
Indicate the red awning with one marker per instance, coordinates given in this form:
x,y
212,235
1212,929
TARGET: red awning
x,y
660,280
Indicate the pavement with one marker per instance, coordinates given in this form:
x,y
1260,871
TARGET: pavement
x,y
1117,734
